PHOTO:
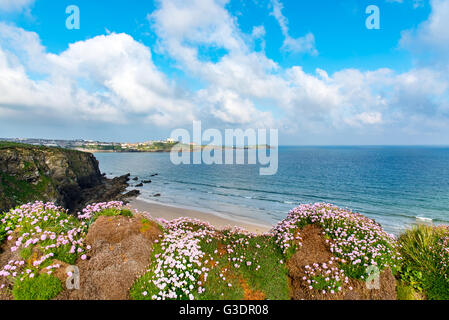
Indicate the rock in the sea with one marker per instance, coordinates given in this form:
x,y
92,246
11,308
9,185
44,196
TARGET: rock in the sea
x,y
146,181
157,195
136,178
139,185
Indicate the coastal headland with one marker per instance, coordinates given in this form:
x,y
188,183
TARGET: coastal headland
x,y
62,219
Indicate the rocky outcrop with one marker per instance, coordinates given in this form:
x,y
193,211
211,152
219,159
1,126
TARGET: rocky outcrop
x,y
120,252
69,178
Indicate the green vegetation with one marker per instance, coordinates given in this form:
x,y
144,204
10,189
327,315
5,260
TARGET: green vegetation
x,y
41,287
44,235
143,147
22,192
264,278
147,225
6,144
143,285
112,213
406,292
102,148
26,253
227,265
425,253
193,260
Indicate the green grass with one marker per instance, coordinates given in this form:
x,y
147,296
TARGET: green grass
x,y
269,280
421,268
147,225
42,287
111,213
21,192
26,253
144,283
405,292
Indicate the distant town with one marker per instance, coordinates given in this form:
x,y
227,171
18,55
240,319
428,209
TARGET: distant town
x,y
98,146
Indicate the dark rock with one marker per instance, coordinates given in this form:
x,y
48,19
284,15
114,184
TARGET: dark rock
x,y
69,178
139,185
157,195
146,181
109,190
130,194
136,178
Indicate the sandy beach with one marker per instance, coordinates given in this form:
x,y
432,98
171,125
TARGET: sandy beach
x,y
167,212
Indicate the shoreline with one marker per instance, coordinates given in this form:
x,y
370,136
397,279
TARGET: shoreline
x,y
169,212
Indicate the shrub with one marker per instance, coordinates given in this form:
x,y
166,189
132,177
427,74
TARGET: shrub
x,y
110,209
425,267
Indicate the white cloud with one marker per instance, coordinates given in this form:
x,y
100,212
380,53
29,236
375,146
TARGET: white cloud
x,y
106,78
364,118
113,78
258,32
431,39
296,45
15,5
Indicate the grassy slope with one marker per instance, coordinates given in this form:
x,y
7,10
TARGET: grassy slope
x,y
265,278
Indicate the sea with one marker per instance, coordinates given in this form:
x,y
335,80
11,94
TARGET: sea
x,y
398,187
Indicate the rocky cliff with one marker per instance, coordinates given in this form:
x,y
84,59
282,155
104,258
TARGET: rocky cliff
x,y
69,178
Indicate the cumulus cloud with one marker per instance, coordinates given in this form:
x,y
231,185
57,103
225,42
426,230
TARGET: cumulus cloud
x,y
296,45
431,39
15,5
112,78
106,78
246,79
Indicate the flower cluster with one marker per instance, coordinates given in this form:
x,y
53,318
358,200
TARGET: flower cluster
x,y
286,235
46,227
444,256
43,232
181,263
90,211
186,254
326,277
357,240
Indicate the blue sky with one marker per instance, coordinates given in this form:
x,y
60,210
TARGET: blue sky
x,y
139,69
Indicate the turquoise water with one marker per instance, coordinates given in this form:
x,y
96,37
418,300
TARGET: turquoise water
x,y
396,186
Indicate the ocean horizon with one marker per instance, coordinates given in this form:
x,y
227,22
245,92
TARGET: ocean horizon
x,y
398,186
